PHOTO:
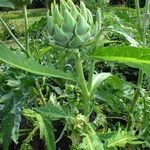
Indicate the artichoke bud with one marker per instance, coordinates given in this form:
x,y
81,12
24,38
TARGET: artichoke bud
x,y
20,3
71,26
50,24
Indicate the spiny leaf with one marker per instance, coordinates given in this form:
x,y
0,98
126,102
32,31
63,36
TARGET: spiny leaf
x,y
26,143
46,132
53,112
121,138
21,62
46,129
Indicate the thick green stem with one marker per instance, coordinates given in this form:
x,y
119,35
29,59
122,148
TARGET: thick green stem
x,y
143,30
26,30
91,73
137,6
146,20
40,92
82,83
137,92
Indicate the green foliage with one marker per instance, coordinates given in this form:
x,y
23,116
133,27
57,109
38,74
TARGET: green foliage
x,y
132,56
53,112
145,133
7,125
45,127
17,121
91,142
20,3
98,79
121,138
79,99
92,4
20,61
46,132
25,145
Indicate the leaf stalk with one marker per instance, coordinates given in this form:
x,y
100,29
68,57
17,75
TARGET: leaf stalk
x,y
143,31
12,35
26,30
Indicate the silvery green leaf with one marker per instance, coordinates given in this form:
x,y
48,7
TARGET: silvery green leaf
x,y
98,79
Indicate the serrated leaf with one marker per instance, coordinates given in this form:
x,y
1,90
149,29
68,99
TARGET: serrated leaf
x,y
46,132
52,112
21,62
46,129
131,56
121,138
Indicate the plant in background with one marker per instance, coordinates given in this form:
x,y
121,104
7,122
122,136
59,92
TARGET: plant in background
x,y
93,4
21,3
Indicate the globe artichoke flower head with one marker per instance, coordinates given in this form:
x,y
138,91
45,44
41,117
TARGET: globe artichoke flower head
x,y
71,26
